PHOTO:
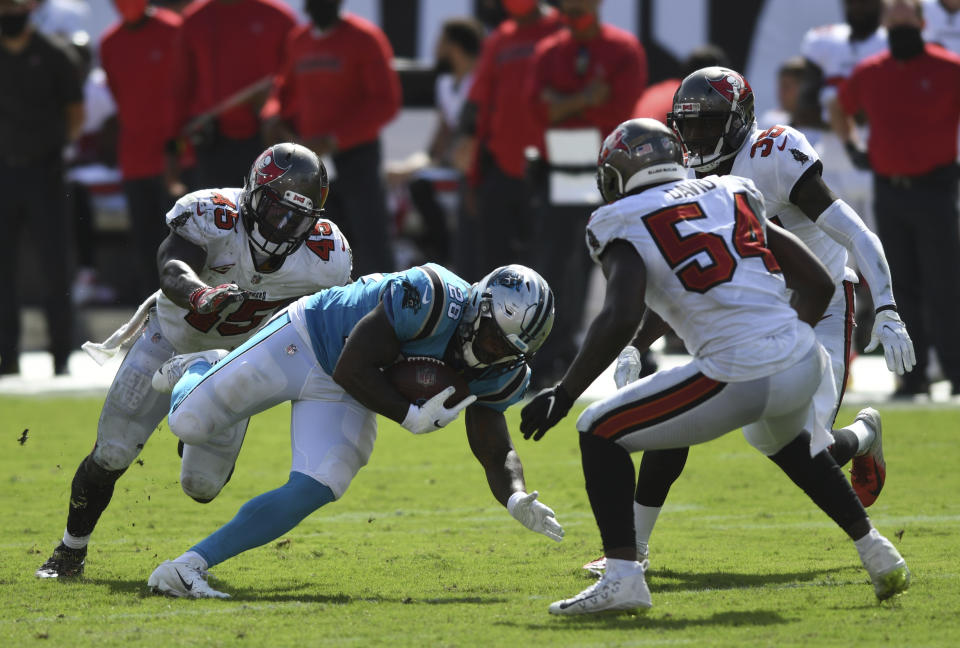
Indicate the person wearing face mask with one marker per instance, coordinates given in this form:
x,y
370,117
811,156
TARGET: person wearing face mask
x,y
498,192
335,92
41,110
911,98
227,55
831,52
584,81
137,54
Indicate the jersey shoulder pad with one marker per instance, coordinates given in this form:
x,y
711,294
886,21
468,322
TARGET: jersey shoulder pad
x,y
778,157
205,215
606,224
327,246
419,301
503,391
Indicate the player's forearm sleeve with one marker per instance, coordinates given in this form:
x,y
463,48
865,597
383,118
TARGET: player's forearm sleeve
x,y
843,225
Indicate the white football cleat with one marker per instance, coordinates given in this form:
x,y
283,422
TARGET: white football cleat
x,y
596,567
182,579
887,568
628,592
171,371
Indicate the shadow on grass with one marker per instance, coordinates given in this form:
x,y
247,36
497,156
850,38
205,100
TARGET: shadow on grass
x,y
665,580
301,593
620,620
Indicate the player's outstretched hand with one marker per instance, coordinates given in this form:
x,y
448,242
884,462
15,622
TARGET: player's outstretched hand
x,y
212,300
890,331
534,515
627,368
544,411
433,414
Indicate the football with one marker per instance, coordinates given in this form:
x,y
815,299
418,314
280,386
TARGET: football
x,y
419,378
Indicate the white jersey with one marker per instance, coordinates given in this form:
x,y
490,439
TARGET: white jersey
x,y
209,219
941,26
832,50
709,274
775,159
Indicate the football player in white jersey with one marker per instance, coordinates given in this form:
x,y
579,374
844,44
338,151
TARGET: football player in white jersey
x,y
832,51
701,254
713,115
233,258
942,23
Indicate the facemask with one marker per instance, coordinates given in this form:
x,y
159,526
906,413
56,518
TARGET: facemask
x,y
905,42
131,10
580,23
12,25
863,26
324,13
519,8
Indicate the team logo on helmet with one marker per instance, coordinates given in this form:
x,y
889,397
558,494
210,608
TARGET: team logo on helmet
x,y
731,86
508,279
267,168
614,142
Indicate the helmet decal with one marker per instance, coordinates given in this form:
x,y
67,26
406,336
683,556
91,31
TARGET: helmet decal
x,y
267,168
509,279
733,87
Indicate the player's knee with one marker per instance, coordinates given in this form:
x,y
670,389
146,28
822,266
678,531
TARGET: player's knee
x,y
190,426
200,487
111,456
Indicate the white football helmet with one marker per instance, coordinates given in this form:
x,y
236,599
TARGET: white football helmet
x,y
515,306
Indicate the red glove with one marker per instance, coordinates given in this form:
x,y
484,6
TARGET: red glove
x,y
211,300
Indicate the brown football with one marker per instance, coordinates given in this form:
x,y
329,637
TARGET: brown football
x,y
419,378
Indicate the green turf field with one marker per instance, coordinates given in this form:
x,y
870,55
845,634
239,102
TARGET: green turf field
x,y
418,553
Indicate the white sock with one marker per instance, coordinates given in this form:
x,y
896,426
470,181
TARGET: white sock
x,y
866,541
617,568
644,519
194,558
864,433
74,542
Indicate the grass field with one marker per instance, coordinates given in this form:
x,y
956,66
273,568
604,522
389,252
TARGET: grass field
x,y
418,553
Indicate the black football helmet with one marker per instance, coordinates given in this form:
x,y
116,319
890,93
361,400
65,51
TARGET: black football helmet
x,y
712,115
283,197
637,153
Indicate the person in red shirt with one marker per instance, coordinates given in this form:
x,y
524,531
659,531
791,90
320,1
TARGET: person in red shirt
x,y
501,133
911,98
228,53
587,76
335,93
137,55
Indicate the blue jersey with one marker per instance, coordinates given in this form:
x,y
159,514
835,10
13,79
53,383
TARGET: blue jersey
x,y
424,305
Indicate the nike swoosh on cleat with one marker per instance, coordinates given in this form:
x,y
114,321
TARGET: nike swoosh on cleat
x,y
436,423
187,585
564,606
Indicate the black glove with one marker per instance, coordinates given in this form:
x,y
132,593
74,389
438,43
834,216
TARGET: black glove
x,y
544,411
858,157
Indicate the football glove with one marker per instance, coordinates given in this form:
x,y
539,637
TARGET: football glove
x,y
212,300
534,515
544,411
433,414
627,369
890,331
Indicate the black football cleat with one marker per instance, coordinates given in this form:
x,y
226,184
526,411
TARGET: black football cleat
x,y
65,563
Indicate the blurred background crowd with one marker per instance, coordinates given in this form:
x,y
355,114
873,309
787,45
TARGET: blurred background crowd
x,y
458,131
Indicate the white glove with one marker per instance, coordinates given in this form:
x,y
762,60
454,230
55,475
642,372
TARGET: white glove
x,y
433,415
627,369
534,515
212,300
889,330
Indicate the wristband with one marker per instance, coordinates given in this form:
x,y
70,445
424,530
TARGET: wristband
x,y
887,307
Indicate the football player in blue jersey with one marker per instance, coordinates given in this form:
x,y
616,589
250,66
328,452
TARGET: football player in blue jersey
x,y
325,353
